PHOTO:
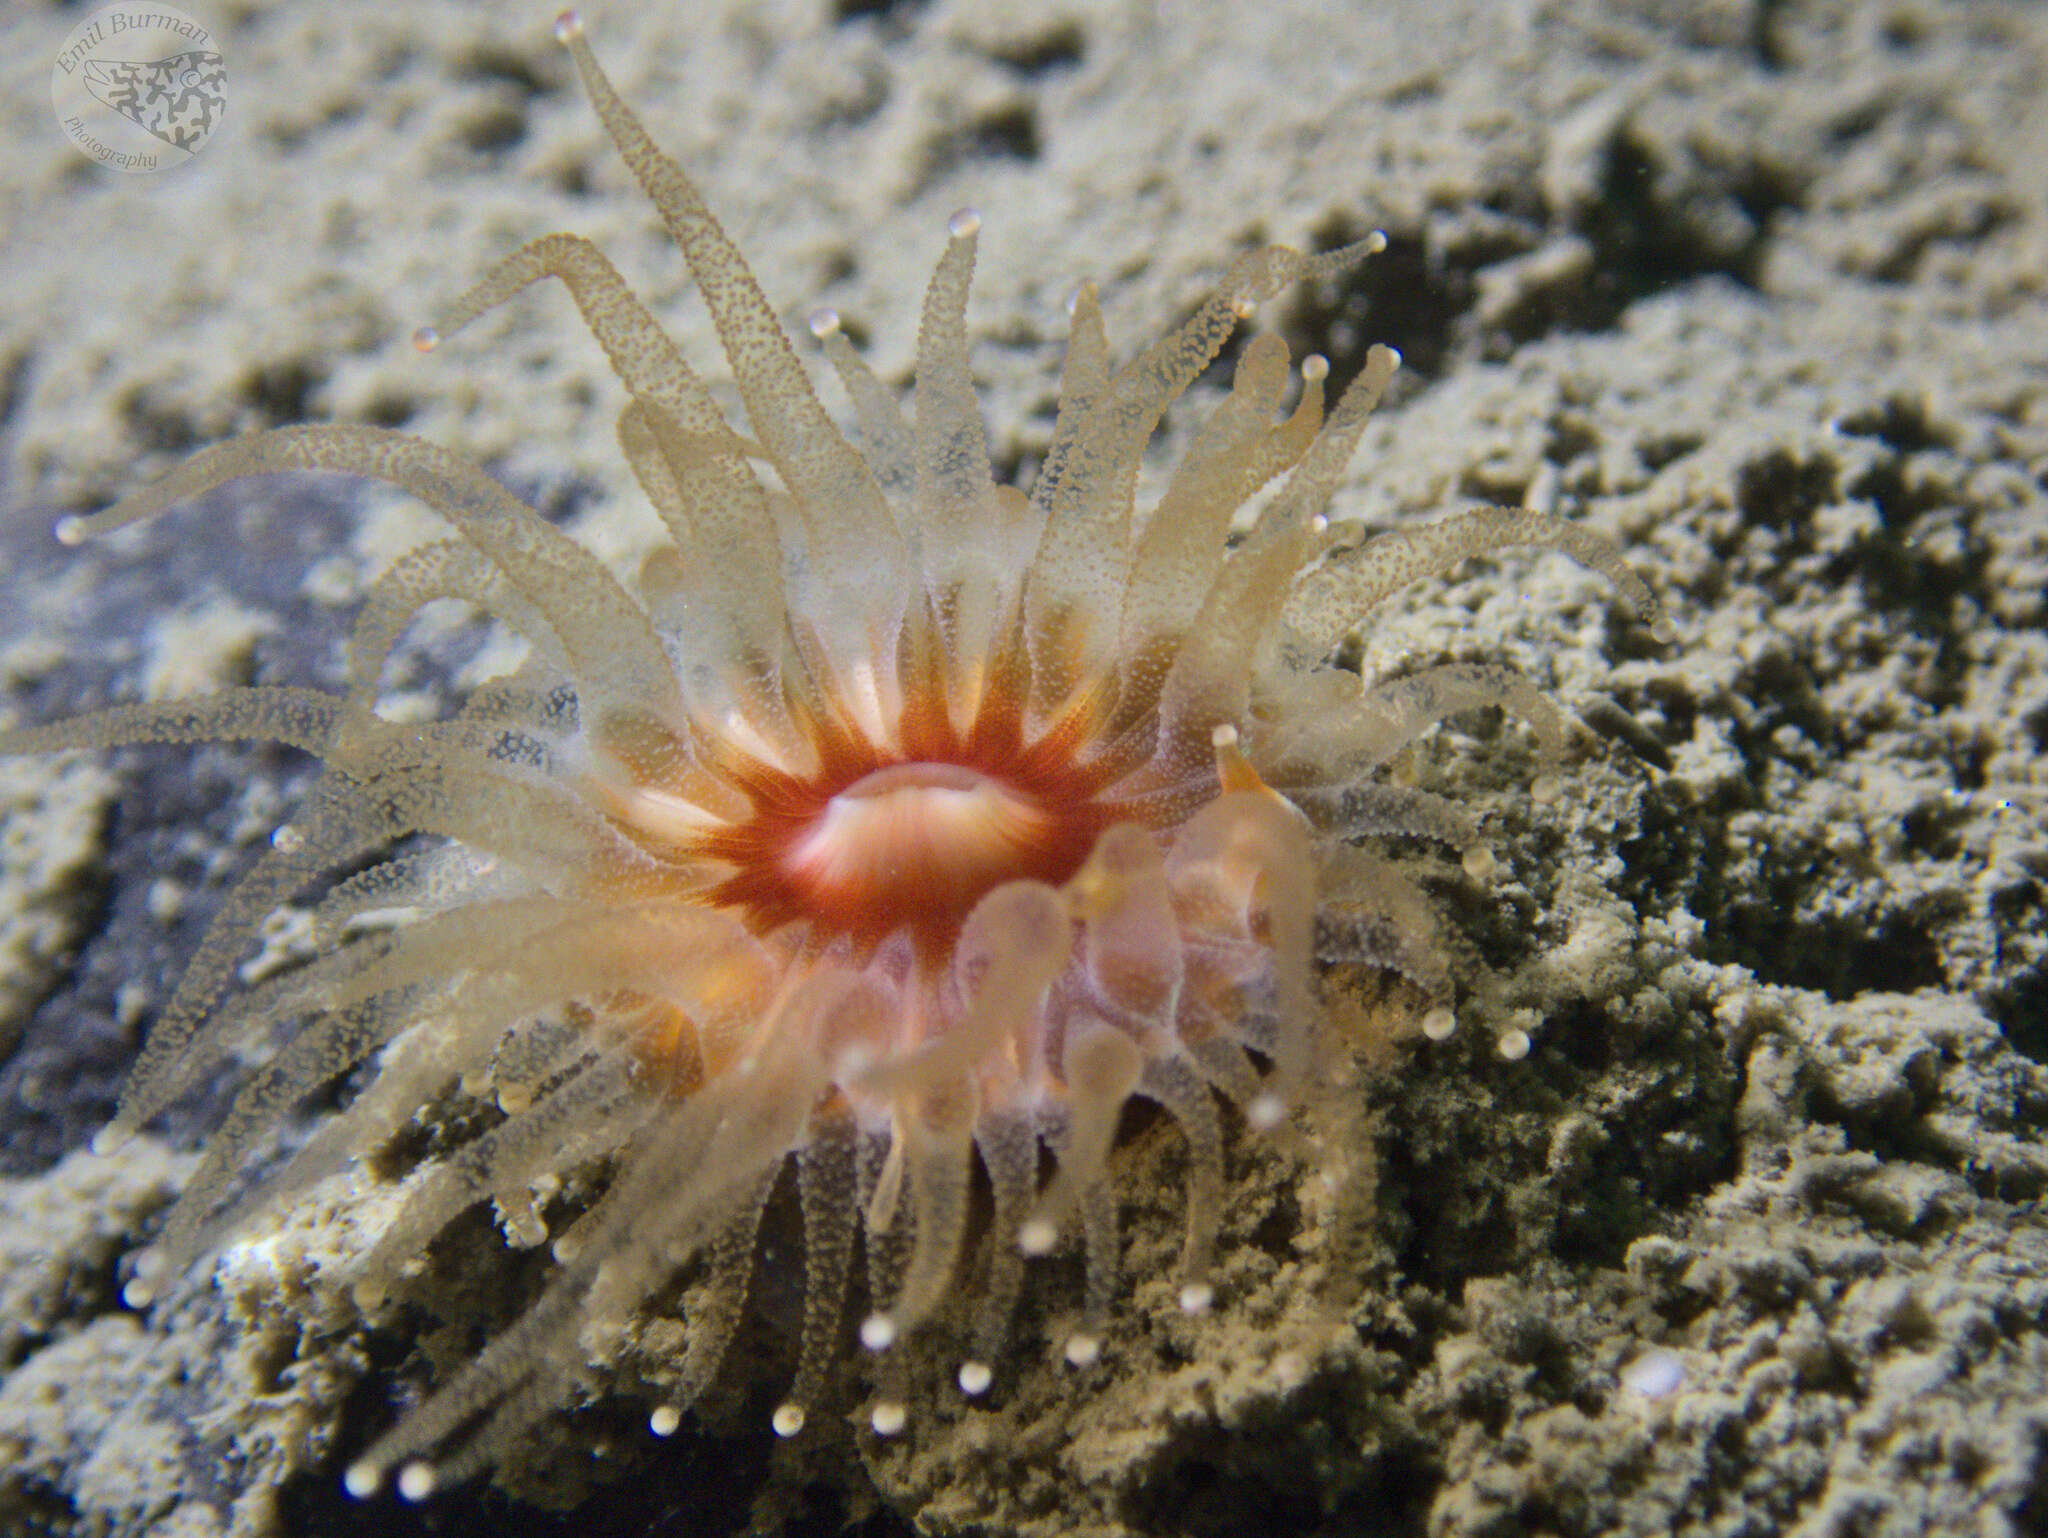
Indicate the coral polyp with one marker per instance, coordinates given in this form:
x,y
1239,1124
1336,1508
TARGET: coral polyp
x,y
890,825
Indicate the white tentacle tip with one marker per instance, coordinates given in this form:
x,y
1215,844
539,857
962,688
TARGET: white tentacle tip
x,y
889,1417
1266,1111
787,1420
1037,1236
426,339
1441,1023
1083,1349
70,530
568,26
974,1378
665,1421
878,1332
416,1482
1196,1298
1513,1045
823,321
965,224
363,1480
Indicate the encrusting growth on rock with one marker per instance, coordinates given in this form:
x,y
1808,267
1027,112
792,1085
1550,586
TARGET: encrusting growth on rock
x,y
891,826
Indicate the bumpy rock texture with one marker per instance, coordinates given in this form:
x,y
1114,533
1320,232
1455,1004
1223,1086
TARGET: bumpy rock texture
x,y
1751,1242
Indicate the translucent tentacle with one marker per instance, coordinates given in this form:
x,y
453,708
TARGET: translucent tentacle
x,y
1242,866
1369,730
589,1112
1373,809
953,502
720,1304
1009,1152
1330,599
1182,547
299,718
1177,1085
1084,555
1101,1066
1211,678
850,531
447,569
826,1191
1131,942
888,439
614,651
940,1157
1099,1267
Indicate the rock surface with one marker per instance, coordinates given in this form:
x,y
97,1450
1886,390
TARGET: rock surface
x,y
1752,1241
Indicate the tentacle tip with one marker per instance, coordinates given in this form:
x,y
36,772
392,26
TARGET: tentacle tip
x,y
889,1417
1083,290
568,26
110,1140
1315,367
416,1482
138,1293
363,1480
1440,1024
1375,243
513,1100
70,530
974,1378
1037,1236
1479,863
665,1420
1545,789
965,224
1513,1045
426,339
1266,1111
787,1420
1083,1349
878,1332
1662,631
823,322
1196,1298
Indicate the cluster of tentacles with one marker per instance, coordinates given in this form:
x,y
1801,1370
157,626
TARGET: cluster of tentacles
x,y
889,824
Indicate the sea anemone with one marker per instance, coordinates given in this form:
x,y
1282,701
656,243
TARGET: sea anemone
x,y
890,824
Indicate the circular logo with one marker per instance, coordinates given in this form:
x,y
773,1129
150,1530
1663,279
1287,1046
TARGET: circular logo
x,y
139,86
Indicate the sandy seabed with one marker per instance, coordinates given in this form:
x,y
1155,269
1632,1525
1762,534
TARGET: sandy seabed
x,y
1751,1243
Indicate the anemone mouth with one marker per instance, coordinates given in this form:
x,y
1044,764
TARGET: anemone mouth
x,y
879,842
920,841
